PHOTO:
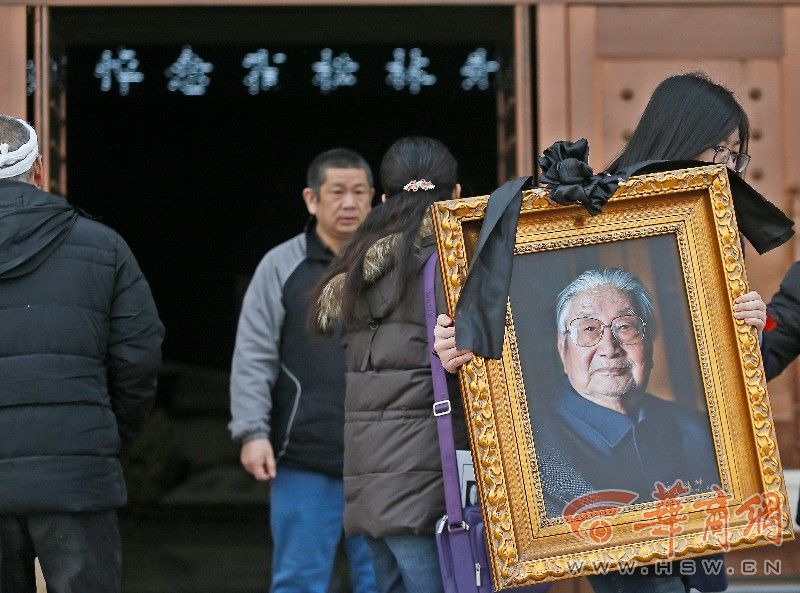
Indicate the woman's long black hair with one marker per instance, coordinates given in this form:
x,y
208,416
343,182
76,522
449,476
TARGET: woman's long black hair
x,y
686,115
410,158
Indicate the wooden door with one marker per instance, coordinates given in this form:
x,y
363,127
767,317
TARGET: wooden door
x,y
506,127
514,104
49,99
13,58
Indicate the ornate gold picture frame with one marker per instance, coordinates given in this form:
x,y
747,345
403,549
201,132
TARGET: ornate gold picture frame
x,y
676,233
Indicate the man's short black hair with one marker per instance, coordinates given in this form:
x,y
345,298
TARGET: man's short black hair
x,y
336,158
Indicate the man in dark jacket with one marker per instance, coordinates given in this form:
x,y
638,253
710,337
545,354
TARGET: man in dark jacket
x,y
287,387
79,349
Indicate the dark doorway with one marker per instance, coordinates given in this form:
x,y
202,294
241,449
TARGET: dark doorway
x,y
202,185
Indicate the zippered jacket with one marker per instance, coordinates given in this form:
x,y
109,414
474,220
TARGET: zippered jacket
x,y
287,384
80,348
393,481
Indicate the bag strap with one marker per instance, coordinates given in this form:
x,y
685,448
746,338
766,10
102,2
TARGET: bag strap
x,y
442,407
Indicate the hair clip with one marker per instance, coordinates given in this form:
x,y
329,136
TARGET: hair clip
x,y
422,184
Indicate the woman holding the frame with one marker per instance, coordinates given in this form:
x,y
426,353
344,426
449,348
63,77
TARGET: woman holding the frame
x,y
688,117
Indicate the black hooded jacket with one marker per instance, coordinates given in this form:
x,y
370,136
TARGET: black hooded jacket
x,y
80,344
781,342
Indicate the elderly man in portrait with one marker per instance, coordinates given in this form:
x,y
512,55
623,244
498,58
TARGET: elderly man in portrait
x,y
603,430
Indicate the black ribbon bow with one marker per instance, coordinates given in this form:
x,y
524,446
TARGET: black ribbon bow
x,y
570,179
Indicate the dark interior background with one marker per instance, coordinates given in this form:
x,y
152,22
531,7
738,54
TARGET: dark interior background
x,y
202,186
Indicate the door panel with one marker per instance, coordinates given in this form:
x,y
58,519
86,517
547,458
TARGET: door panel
x,y
13,58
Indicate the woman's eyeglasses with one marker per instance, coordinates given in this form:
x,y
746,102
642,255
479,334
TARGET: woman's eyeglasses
x,y
737,160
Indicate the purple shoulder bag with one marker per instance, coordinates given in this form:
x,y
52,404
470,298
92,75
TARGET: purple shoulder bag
x,y
460,539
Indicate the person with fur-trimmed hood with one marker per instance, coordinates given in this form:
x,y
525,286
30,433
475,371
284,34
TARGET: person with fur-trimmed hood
x,y
393,485
79,354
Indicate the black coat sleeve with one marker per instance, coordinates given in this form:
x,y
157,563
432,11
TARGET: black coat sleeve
x,y
781,344
134,351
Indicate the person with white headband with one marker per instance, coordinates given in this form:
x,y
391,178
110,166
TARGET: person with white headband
x,y
24,162
80,347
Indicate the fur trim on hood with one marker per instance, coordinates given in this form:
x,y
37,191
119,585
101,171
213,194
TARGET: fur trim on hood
x,y
378,260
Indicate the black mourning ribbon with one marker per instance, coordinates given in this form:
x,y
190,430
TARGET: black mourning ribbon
x,y
763,224
481,308
570,179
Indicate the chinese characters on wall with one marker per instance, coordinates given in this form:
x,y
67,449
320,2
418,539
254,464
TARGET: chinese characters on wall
x,y
190,74
589,515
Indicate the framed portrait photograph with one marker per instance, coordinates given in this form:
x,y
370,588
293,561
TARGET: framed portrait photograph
x,y
627,422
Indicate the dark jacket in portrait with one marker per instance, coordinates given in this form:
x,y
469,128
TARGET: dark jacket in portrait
x,y
79,351
583,447
392,467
